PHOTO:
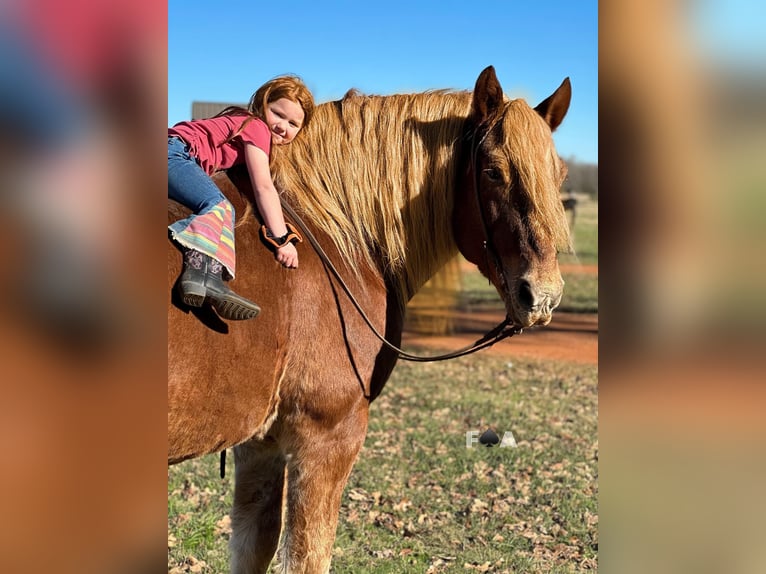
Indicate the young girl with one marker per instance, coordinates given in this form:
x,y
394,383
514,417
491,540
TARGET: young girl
x,y
197,149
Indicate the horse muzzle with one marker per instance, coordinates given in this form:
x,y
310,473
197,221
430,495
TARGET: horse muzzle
x,y
532,303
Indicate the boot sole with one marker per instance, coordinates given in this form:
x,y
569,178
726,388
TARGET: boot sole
x,y
193,294
193,300
235,311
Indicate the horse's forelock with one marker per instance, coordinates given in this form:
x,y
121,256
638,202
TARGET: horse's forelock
x,y
529,146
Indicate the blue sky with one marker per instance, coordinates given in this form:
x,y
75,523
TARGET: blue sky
x,y
222,51
730,32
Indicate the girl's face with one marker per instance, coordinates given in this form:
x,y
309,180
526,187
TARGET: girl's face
x,y
285,119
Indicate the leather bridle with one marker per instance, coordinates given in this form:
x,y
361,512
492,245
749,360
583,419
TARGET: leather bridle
x,y
490,251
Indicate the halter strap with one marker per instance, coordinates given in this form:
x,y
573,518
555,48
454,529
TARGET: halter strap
x,y
488,244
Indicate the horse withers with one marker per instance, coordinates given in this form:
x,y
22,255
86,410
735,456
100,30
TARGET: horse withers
x,y
392,187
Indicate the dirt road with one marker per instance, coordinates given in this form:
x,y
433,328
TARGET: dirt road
x,y
569,337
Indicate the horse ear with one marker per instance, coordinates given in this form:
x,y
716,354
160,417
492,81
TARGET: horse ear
x,y
554,107
487,97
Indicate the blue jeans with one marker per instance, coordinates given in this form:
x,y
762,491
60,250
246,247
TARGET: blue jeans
x,y
188,184
210,230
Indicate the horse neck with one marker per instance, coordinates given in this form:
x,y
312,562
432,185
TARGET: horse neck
x,y
377,175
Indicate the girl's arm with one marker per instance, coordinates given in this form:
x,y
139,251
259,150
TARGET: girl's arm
x,y
265,193
267,200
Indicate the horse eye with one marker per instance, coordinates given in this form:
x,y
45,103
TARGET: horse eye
x,y
493,175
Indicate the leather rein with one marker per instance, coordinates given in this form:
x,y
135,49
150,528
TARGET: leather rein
x,y
502,331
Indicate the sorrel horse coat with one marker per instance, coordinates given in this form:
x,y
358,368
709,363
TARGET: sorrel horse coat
x,y
392,187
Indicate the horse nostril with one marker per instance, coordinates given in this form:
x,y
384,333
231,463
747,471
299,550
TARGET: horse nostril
x,y
526,297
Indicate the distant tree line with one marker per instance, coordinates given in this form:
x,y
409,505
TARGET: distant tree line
x,y
582,178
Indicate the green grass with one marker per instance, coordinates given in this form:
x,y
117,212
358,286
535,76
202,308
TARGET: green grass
x,y
419,500
581,289
198,507
585,235
580,293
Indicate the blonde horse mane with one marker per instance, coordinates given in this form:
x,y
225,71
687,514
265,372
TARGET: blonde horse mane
x,y
376,174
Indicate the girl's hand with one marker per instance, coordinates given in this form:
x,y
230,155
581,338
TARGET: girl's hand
x,y
287,255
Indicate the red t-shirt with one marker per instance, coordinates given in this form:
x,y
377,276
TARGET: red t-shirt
x,y
205,137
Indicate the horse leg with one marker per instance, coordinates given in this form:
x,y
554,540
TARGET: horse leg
x,y
317,474
256,516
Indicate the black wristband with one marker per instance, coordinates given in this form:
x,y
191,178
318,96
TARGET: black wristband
x,y
274,243
279,240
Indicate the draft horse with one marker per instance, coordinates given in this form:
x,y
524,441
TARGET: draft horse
x,y
392,187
